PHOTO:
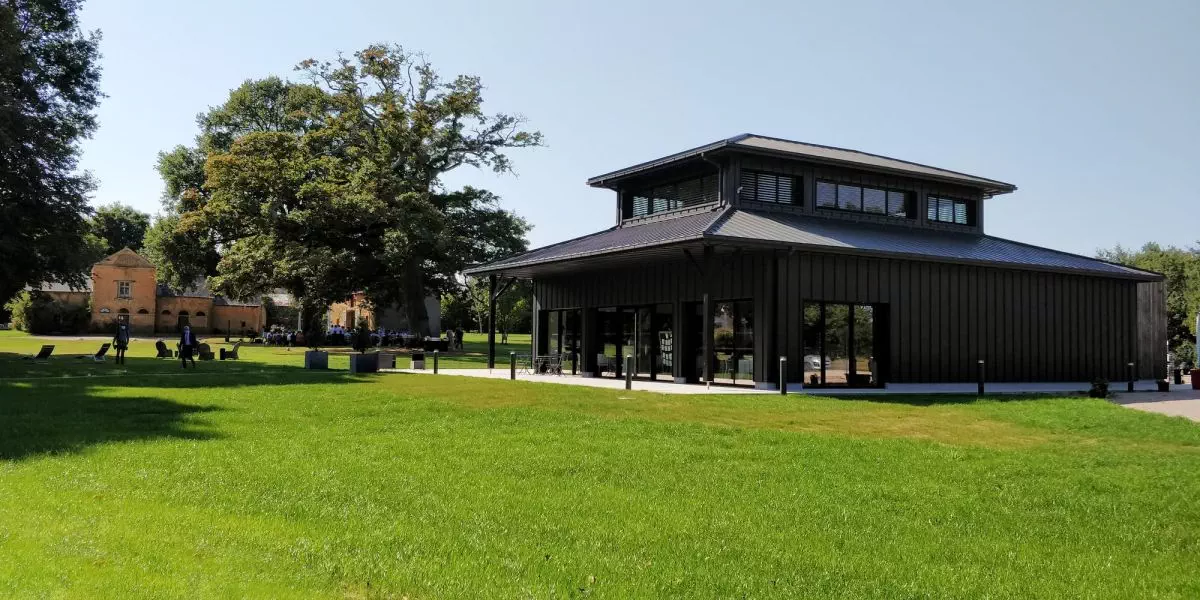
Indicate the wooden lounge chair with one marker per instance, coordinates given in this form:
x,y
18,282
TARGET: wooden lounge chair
x,y
232,353
99,355
43,355
162,349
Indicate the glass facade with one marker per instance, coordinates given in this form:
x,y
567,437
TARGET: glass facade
x,y
839,345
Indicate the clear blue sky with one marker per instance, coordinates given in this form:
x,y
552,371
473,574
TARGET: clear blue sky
x,y
1091,108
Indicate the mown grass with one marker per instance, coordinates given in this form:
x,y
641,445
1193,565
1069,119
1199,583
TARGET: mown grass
x,y
72,356
285,483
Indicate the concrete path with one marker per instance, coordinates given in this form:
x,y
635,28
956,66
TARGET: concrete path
x,y
661,387
1181,401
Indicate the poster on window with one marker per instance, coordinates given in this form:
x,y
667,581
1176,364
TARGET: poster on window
x,y
666,349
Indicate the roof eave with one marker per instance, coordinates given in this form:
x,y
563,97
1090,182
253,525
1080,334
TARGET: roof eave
x,y
1146,276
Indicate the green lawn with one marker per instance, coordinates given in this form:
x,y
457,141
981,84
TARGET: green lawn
x,y
285,483
71,356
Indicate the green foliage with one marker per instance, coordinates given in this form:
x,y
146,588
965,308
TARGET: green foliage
x,y
455,309
49,86
1182,270
38,313
287,316
120,227
182,254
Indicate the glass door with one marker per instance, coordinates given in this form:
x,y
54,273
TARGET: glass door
x,y
840,345
837,344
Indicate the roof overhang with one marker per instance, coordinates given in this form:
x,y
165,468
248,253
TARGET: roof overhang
x,y
829,155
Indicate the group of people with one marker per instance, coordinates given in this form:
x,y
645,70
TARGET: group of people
x,y
279,336
188,343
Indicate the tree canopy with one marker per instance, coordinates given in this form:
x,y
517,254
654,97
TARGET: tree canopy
x,y
120,226
1181,266
49,83
333,186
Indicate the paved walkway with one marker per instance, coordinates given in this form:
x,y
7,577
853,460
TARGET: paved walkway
x,y
664,387
1181,401
661,387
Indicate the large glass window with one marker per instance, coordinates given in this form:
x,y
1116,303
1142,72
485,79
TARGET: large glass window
x,y
645,333
733,341
839,344
951,210
767,187
124,289
864,199
672,196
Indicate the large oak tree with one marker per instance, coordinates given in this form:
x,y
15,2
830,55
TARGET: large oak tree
x,y
49,86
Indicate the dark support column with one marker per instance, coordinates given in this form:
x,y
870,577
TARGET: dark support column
x,y
707,321
678,343
491,321
587,342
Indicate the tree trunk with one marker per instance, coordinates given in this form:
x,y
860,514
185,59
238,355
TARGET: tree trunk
x,y
413,293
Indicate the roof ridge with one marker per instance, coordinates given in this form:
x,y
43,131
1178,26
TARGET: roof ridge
x,y
883,156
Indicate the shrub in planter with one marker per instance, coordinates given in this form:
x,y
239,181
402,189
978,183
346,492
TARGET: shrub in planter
x,y
1099,389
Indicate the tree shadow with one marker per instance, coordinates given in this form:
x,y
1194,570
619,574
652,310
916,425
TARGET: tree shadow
x,y
54,415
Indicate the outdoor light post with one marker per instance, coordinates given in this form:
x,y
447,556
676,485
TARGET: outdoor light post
x,y
435,361
981,376
629,371
783,375
1129,386
512,365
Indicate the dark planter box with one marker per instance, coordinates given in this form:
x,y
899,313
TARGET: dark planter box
x,y
364,363
1163,386
316,359
1196,379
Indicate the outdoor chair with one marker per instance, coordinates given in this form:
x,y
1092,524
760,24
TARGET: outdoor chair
x,y
43,355
232,353
205,352
163,352
99,355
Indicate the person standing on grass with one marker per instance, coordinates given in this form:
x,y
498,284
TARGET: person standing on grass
x,y
187,342
121,342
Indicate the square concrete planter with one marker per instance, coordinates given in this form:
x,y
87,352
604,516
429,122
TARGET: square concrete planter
x,y
316,359
364,363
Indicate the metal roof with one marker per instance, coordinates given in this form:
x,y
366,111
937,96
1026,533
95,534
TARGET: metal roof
x,y
791,230
818,153
838,235
615,239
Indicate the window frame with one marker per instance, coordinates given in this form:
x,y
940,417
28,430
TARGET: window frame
x,y
933,210
907,200
796,181
651,199
128,286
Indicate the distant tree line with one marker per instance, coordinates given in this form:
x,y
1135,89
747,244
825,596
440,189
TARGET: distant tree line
x,y
1181,266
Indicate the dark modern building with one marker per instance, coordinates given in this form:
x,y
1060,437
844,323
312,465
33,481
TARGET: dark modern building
x,y
862,270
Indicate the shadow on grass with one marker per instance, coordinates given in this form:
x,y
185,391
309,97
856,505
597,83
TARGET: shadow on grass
x,y
52,415
71,420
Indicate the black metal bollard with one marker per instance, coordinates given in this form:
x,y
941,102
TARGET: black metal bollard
x,y
435,365
629,371
783,375
512,365
982,375
574,363
1178,376
1129,387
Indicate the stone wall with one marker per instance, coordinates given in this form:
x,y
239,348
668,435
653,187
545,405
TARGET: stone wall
x,y
197,309
107,304
238,319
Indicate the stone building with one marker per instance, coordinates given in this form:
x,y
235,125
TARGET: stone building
x,y
124,287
